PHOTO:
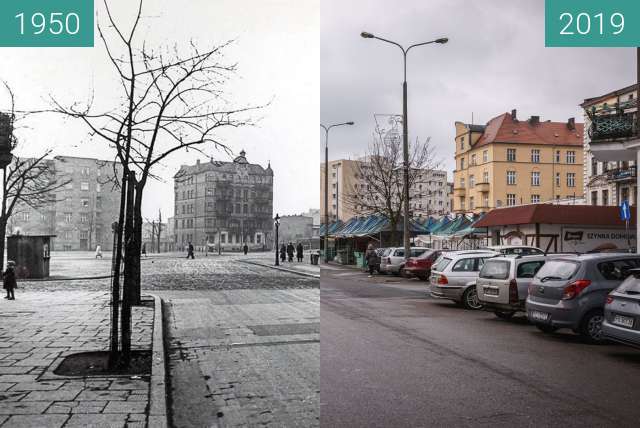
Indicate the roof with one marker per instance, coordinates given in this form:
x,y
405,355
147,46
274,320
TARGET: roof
x,y
586,215
597,100
505,129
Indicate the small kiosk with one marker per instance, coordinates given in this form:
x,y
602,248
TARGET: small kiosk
x,y
31,253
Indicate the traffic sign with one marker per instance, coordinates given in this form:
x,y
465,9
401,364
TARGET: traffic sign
x,y
625,212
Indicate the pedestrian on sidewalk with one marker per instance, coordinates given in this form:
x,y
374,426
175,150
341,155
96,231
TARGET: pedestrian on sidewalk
x,y
98,251
9,280
283,253
245,249
372,259
144,250
290,250
190,251
299,251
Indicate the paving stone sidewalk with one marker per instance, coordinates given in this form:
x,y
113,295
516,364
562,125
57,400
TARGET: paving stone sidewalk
x,y
36,330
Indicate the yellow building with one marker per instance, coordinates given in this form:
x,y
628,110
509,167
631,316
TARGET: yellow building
x,y
513,162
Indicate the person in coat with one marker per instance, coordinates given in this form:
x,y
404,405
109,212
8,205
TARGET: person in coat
x,y
190,251
372,259
290,250
299,252
245,249
98,251
283,253
9,280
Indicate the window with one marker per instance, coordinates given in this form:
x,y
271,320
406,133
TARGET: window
x,y
496,269
605,197
209,192
25,216
594,166
557,156
462,202
84,218
571,156
68,185
594,198
471,203
617,270
485,177
85,171
511,177
464,265
68,217
462,182
528,269
535,178
245,209
472,181
557,179
461,163
535,199
473,159
485,156
98,187
511,199
461,143
511,155
258,238
84,185
84,234
571,179
485,200
535,155
84,202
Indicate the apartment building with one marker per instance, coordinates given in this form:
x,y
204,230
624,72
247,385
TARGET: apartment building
x,y
510,162
609,183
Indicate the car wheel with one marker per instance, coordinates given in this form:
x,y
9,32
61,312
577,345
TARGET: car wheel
x,y
470,299
591,326
505,315
546,328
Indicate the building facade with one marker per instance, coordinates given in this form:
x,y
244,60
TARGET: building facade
x,y
83,210
295,228
511,162
608,182
224,204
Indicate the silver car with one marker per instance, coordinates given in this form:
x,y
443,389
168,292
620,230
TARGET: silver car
x,y
571,291
622,312
393,260
503,283
454,274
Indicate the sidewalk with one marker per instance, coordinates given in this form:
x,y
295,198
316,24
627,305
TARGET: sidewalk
x,y
303,268
36,331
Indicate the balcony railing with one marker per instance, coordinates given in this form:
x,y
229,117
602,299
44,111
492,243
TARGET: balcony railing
x,y
622,174
613,122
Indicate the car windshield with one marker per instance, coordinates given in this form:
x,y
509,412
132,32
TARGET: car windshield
x,y
557,270
441,264
495,269
427,254
417,251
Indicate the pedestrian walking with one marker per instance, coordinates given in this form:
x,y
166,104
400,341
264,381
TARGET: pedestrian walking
x,y
98,251
144,249
245,249
283,253
299,251
9,280
190,250
290,250
372,259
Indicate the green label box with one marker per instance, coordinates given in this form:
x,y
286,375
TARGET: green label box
x,y
592,23
46,23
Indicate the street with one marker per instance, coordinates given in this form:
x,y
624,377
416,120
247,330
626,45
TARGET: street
x,y
393,356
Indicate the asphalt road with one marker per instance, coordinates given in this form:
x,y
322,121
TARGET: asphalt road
x,y
392,356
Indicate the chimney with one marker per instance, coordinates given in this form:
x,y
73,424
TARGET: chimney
x,y
534,120
571,123
513,115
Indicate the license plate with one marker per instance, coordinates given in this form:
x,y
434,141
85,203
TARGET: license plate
x,y
539,316
623,321
491,291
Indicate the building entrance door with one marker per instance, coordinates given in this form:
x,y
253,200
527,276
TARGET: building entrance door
x,y
84,245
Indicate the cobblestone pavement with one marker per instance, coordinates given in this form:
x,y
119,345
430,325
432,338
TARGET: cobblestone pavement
x,y
268,260
37,330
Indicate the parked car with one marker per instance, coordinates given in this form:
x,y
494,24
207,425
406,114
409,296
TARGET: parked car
x,y
622,312
571,291
503,283
454,274
393,261
520,250
421,266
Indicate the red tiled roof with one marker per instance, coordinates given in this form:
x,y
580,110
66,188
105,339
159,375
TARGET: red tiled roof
x,y
503,129
587,215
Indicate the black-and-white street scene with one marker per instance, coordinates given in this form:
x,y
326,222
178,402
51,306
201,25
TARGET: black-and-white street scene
x,y
148,185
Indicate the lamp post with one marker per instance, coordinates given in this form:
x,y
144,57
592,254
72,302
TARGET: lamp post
x,y
276,223
326,185
405,129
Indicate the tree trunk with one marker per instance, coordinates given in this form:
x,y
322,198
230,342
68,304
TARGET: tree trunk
x,y
129,273
3,230
136,243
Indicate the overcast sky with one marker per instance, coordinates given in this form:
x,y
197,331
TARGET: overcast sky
x,y
277,51
495,61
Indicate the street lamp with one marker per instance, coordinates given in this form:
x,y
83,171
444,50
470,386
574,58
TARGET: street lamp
x,y
326,185
276,223
405,129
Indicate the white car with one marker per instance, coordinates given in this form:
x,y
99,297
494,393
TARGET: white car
x,y
393,260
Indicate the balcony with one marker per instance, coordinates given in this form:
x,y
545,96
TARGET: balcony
x,y
459,191
622,174
482,187
614,131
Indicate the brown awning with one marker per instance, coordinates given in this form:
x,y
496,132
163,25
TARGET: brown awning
x,y
587,215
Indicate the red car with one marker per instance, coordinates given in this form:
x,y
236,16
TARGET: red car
x,y
421,266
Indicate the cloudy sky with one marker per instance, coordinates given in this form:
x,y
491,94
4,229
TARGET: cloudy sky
x,y
277,50
495,61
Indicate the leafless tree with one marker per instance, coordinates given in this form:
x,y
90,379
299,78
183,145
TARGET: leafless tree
x,y
378,188
27,182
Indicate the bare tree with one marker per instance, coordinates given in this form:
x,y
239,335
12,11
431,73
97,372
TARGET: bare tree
x,y
26,182
378,188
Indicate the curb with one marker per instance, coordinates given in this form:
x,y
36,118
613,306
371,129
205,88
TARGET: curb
x,y
63,278
157,385
309,275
